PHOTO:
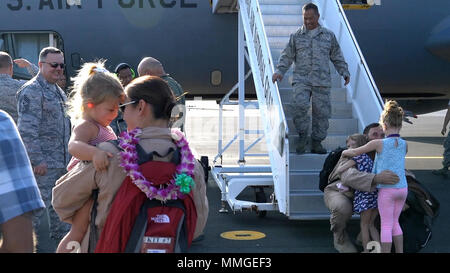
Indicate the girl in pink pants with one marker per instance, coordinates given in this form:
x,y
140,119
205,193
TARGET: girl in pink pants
x,y
391,153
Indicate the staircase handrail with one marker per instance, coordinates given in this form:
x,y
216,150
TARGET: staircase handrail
x,y
363,91
271,108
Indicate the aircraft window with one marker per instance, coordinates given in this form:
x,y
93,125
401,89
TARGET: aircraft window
x,y
216,77
27,45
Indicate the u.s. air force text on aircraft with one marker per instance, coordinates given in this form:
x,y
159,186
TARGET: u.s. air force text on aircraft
x,y
17,5
233,262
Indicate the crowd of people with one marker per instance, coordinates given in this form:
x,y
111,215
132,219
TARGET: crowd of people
x,y
67,165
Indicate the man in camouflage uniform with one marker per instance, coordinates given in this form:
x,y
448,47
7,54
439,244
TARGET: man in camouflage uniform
x,y
125,74
10,86
152,67
446,162
311,48
45,129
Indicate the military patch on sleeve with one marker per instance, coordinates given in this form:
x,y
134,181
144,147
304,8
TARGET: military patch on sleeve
x,y
25,105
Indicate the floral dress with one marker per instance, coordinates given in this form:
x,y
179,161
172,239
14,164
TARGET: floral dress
x,y
364,200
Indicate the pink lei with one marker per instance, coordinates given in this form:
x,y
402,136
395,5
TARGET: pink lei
x,y
178,186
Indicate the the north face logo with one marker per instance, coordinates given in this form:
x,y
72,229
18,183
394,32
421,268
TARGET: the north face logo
x,y
161,219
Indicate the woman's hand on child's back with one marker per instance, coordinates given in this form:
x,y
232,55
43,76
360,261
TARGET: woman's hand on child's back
x,y
101,160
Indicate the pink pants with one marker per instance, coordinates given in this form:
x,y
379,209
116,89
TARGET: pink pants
x,y
390,205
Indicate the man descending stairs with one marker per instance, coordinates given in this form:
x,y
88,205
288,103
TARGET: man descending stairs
x,y
310,49
281,19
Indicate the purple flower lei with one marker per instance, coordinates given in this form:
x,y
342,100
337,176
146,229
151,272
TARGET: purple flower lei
x,y
169,191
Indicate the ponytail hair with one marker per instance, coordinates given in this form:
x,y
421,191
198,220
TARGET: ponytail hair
x,y
392,115
93,84
156,92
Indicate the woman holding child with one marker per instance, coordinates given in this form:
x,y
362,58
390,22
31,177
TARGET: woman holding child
x,y
146,110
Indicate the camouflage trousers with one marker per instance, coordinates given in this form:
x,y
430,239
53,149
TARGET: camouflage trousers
x,y
446,161
58,229
318,98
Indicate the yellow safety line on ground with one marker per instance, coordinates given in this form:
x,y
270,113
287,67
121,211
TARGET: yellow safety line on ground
x,y
424,157
242,235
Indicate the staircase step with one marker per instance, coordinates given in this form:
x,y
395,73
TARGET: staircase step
x,y
280,30
278,42
303,180
276,53
306,162
286,20
337,126
330,143
294,9
307,202
339,110
336,94
309,216
283,2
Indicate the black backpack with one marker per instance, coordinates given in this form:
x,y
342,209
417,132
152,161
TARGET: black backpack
x,y
328,166
417,220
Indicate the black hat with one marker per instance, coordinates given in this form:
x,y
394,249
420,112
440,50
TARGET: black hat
x,y
121,66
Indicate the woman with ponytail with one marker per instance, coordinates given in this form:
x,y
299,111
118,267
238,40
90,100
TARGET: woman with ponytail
x,y
122,188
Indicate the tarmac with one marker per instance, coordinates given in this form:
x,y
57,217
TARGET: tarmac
x,y
295,236
279,234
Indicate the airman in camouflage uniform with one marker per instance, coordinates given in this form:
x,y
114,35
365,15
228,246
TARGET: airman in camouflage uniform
x,y
446,162
45,129
126,75
10,86
179,111
311,49
153,67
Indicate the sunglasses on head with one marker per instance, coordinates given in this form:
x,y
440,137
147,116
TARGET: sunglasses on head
x,y
122,106
55,65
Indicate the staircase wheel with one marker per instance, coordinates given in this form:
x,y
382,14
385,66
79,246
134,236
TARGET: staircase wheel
x,y
260,197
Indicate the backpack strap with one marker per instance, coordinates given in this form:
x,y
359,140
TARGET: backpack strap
x,y
93,233
143,156
140,225
115,142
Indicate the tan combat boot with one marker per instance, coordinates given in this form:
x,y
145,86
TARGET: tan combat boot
x,y
316,147
301,144
343,244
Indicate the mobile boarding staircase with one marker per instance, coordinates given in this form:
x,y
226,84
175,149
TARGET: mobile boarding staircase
x,y
264,29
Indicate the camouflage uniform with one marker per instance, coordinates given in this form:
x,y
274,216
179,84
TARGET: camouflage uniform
x,y
446,161
45,130
8,91
311,52
118,124
177,91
